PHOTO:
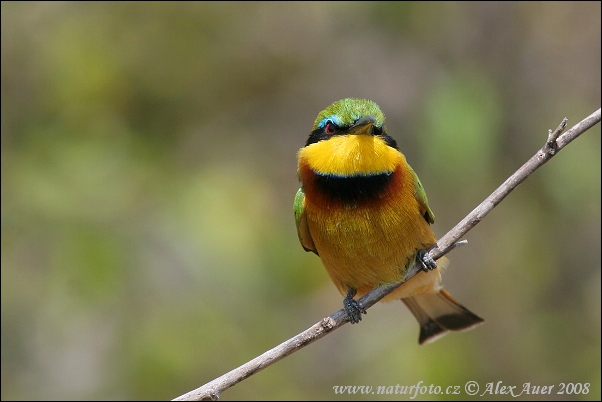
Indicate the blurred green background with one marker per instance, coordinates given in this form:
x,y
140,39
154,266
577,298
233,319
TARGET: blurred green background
x,y
149,169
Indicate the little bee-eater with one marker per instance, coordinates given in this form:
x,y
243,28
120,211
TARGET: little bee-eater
x,y
363,211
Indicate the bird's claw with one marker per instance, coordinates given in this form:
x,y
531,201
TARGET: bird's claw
x,y
428,263
353,308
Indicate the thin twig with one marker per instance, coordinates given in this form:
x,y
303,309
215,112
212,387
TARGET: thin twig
x,y
555,142
553,136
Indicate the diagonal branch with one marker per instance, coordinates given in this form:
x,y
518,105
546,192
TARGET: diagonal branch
x,y
554,143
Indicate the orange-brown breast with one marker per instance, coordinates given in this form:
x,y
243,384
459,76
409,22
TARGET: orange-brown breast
x,y
370,241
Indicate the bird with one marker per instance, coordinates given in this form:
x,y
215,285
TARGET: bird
x,y
363,211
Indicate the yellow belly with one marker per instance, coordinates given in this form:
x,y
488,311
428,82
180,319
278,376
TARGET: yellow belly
x,y
363,247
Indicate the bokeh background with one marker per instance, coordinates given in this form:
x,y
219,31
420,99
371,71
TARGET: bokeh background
x,y
149,169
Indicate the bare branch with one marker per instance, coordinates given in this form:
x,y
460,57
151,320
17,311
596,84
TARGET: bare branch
x,y
555,142
552,146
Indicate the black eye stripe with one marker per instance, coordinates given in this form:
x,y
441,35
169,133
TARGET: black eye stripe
x,y
320,134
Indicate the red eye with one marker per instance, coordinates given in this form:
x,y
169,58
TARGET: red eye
x,y
330,128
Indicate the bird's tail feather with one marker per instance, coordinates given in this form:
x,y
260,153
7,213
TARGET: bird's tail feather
x,y
438,313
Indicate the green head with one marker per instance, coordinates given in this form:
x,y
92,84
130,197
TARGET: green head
x,y
347,111
350,116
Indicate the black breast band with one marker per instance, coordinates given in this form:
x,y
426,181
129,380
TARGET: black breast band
x,y
353,189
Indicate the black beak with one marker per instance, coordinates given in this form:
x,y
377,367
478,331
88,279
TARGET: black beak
x,y
365,125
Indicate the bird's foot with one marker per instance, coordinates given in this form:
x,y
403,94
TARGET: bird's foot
x,y
352,307
428,263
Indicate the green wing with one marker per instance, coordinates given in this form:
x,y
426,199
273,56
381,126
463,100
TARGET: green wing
x,y
420,195
301,221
